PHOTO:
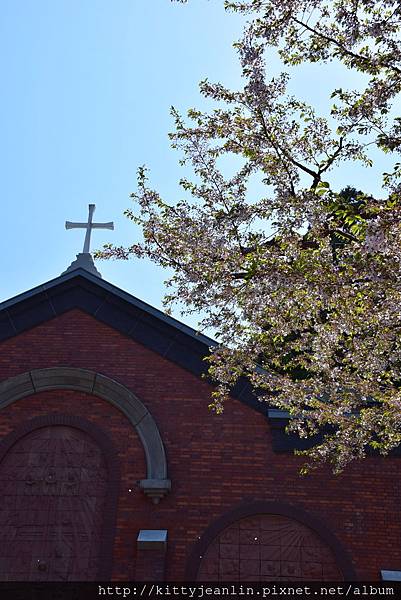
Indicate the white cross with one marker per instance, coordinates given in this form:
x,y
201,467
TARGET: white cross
x,y
89,226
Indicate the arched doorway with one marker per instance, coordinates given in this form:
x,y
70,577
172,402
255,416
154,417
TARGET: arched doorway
x,y
156,485
57,505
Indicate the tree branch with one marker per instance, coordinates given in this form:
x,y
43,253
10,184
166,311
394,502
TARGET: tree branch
x,y
340,46
278,148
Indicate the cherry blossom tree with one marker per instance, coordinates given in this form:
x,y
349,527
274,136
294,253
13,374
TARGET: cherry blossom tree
x,y
300,283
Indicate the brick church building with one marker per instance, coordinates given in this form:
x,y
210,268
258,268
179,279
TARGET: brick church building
x,y
113,468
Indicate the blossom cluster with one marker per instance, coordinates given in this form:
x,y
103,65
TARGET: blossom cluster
x,y
302,285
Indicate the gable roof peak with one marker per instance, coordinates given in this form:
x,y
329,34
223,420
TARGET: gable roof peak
x,y
84,261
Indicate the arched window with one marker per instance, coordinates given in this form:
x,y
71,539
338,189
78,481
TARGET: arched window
x,y
268,541
268,548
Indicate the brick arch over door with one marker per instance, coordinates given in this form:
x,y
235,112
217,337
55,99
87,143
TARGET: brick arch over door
x,y
59,484
156,484
268,541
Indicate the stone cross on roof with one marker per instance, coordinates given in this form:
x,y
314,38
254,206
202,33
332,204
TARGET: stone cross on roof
x,y
84,259
89,226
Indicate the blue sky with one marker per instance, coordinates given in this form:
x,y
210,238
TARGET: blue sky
x,y
86,91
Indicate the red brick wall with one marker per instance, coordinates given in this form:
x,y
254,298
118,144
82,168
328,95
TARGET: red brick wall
x,y
215,462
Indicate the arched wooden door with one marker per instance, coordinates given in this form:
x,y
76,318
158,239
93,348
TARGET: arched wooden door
x,y
53,487
268,547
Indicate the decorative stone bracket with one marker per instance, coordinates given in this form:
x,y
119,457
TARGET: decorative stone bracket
x,y
155,488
